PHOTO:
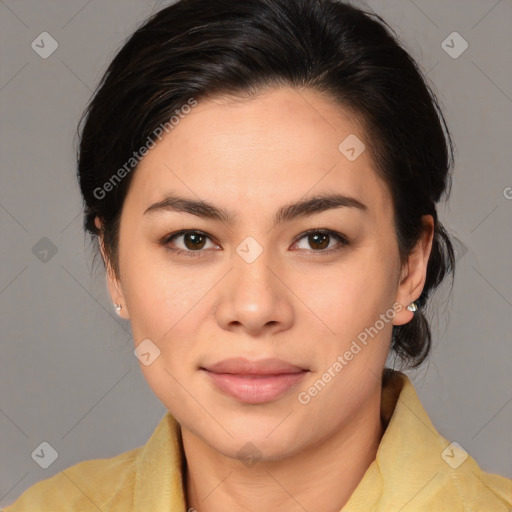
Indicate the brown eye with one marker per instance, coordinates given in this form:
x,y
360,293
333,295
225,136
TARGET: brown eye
x,y
194,240
192,244
320,240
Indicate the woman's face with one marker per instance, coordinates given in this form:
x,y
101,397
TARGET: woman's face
x,y
257,286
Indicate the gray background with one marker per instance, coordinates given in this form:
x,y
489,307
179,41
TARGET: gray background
x,y
68,375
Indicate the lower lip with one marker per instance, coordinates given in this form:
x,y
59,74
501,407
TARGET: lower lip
x,y
255,389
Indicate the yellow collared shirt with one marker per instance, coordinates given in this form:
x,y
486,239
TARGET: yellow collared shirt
x,y
415,469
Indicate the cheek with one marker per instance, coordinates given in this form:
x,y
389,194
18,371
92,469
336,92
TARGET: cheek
x,y
349,296
158,295
170,384
169,308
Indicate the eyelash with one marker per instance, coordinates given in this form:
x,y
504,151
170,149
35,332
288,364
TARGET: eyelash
x,y
166,240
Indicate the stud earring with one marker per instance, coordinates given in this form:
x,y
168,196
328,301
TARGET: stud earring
x,y
118,308
412,307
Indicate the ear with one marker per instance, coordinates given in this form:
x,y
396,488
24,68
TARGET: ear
x,y
115,288
414,272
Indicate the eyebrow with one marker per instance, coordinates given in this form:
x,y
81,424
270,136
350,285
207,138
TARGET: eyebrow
x,y
304,208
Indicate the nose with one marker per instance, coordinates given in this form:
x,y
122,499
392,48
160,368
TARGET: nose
x,y
255,298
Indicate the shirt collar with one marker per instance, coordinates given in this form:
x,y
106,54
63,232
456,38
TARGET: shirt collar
x,y
159,478
408,456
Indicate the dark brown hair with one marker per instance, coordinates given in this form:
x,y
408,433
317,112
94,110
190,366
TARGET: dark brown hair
x,y
198,49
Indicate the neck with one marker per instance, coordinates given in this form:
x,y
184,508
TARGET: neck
x,y
321,477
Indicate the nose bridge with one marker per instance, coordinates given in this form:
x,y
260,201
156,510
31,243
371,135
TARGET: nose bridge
x,y
253,267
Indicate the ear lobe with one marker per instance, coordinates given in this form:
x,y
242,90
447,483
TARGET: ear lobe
x,y
414,272
114,286
116,293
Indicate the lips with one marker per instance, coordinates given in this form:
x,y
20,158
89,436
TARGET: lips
x,y
242,366
254,382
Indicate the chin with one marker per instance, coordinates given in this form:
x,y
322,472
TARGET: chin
x,y
251,450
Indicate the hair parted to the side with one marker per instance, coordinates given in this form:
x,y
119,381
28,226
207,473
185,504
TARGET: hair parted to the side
x,y
198,49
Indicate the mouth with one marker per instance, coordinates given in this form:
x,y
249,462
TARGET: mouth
x,y
254,382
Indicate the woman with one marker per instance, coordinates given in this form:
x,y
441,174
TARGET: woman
x,y
262,180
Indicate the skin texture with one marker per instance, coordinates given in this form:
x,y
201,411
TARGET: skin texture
x,y
251,157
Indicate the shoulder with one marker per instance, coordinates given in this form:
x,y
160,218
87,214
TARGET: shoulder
x,y
91,485
468,488
418,465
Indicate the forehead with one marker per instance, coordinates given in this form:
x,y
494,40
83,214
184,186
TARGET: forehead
x,y
282,144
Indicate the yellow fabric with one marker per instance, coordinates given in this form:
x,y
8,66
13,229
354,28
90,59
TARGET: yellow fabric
x,y
408,473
